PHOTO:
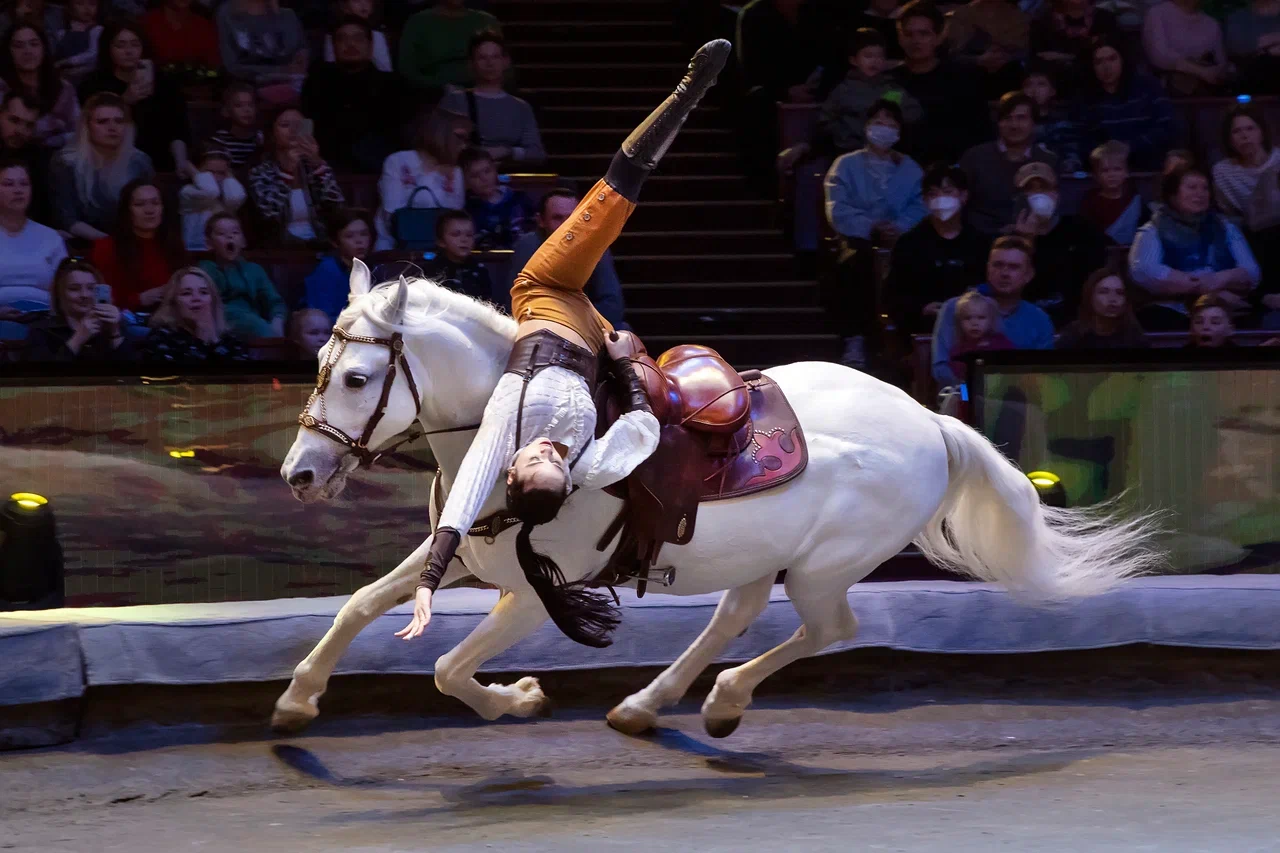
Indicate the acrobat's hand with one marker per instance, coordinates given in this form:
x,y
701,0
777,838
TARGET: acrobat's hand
x,y
421,615
617,346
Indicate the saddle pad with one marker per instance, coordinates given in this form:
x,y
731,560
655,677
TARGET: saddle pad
x,y
773,446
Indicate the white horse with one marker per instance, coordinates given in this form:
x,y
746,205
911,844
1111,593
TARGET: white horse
x,y
883,472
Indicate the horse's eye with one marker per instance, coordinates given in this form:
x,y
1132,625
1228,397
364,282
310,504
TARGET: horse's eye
x,y
355,380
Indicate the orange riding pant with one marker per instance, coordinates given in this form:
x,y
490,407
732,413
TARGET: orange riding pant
x,y
550,287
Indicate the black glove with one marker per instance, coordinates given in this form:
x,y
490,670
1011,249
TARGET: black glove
x,y
637,397
444,544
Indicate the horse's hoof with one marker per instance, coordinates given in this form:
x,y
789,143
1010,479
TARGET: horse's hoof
x,y
723,728
629,721
287,721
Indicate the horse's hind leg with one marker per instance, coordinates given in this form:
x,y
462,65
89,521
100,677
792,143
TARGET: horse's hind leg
x,y
825,619
737,609
299,704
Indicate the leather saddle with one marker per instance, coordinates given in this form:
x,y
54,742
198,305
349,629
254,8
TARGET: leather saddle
x,y
724,434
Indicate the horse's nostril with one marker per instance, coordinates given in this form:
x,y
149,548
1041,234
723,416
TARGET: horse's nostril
x,y
302,478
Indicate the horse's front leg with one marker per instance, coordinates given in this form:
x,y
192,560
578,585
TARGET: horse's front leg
x,y
299,704
514,617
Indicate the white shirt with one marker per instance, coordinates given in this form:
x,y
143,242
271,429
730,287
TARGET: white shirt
x,y
300,216
557,405
402,173
200,200
28,261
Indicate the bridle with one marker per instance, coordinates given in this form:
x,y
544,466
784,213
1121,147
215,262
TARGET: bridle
x,y
360,446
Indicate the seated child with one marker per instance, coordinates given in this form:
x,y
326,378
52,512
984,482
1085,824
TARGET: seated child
x,y
1054,128
977,329
1211,324
1111,204
842,121
75,49
310,329
454,265
241,138
501,214
213,189
250,301
328,285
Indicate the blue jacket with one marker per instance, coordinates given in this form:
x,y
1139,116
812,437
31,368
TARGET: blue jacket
x,y
1028,327
327,287
855,203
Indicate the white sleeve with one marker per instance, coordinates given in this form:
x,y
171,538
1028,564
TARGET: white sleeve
x,y
233,194
631,440
486,459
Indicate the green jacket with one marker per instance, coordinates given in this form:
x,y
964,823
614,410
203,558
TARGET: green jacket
x,y
249,299
433,46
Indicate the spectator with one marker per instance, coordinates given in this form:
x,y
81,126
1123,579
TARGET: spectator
x,y
1067,247
427,176
181,37
881,16
189,325
328,285
1054,128
874,193
1063,35
125,68
1111,205
84,325
1186,46
434,42
17,126
956,116
603,288
502,124
995,37
1106,316
144,247
1125,106
251,303
26,66
501,214
86,177
213,190
364,10
1186,251
310,329
1246,140
1010,269
293,189
75,49
1253,44
29,252
454,265
990,167
262,44
977,329
50,17
1211,324
843,117
1263,217
356,107
241,138
939,258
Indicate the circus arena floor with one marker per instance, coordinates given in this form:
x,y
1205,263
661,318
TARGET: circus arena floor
x,y
990,757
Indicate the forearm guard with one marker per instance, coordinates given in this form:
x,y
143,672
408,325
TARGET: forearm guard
x,y
444,544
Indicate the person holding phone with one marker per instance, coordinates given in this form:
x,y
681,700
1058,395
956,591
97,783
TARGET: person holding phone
x,y
85,324
126,68
293,190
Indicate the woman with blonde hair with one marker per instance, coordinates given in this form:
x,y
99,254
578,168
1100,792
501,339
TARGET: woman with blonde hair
x,y
189,325
427,176
84,324
88,175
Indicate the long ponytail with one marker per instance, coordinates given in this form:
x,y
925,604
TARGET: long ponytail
x,y
583,616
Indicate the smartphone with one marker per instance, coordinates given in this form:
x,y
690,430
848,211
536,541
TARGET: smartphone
x,y
102,294
307,128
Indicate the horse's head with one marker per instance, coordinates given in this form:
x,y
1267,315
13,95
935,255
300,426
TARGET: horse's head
x,y
367,393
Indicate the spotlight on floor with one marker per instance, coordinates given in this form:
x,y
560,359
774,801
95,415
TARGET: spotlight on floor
x,y
1049,487
31,569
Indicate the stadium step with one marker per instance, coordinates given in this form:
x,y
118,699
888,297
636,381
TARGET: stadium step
x,y
727,215
692,189
687,241
578,94
592,52
735,267
676,162
726,294
628,116
587,30
665,75
591,140
718,320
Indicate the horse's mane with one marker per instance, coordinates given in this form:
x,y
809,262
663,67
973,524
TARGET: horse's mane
x,y
428,300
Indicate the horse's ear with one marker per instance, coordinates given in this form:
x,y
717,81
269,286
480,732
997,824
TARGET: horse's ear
x,y
398,303
361,280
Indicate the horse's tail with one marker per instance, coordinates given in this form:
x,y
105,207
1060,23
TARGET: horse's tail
x,y
583,616
992,526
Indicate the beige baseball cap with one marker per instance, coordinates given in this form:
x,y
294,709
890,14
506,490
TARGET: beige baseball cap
x,y
1030,171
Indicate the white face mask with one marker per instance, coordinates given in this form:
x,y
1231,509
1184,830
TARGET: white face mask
x,y
881,135
945,206
1042,204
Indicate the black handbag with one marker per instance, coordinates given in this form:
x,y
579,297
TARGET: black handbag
x,y
415,227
